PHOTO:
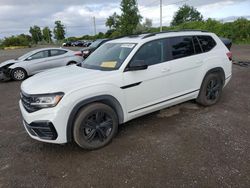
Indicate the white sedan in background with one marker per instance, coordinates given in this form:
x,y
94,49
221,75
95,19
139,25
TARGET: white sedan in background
x,y
37,61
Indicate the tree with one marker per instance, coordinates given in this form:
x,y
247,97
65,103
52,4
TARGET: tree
x,y
112,21
129,18
47,34
59,30
186,14
36,33
144,27
148,23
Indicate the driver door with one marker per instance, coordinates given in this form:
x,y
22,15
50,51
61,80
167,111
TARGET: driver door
x,y
38,62
146,88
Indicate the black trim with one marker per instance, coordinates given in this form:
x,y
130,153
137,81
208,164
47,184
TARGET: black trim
x,y
229,77
42,129
164,101
131,85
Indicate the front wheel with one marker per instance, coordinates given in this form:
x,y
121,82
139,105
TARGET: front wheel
x,y
18,74
95,126
211,90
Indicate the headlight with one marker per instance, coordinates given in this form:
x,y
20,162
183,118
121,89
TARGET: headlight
x,y
86,52
46,100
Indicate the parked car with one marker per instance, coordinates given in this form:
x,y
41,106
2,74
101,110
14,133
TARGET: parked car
x,y
88,43
96,44
124,79
78,43
69,43
37,61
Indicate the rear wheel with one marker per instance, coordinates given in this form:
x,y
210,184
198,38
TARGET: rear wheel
x,y
211,90
18,74
95,126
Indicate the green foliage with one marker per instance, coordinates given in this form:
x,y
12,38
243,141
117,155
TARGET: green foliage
x,y
186,14
59,30
19,40
237,31
36,34
129,18
47,34
144,27
113,21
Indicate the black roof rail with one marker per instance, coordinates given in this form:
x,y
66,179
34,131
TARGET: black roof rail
x,y
170,31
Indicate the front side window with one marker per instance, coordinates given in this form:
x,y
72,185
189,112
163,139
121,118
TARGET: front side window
x,y
181,47
39,55
151,53
109,56
57,52
207,43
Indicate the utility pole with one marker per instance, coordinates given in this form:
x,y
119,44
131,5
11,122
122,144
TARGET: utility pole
x,y
160,15
94,25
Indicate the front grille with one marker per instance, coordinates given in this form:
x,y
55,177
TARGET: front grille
x,y
26,101
42,129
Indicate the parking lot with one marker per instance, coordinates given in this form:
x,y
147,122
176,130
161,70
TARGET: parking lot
x,y
183,146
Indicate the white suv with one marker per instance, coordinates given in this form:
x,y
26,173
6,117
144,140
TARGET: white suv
x,y
124,79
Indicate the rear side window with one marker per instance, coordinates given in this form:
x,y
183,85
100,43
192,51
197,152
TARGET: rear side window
x,y
207,43
57,52
181,46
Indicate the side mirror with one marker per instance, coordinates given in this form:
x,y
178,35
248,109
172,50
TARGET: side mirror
x,y
137,65
29,58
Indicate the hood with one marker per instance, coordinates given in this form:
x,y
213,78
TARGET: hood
x,y
12,61
62,79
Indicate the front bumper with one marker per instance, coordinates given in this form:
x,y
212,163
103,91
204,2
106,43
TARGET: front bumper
x,y
46,125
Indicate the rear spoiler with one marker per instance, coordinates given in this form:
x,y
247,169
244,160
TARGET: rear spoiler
x,y
227,42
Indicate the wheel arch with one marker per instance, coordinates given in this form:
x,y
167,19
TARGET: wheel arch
x,y
11,69
105,99
218,70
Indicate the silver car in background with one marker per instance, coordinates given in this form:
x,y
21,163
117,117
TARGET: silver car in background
x,y
37,61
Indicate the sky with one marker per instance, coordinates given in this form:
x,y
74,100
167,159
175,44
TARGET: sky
x,y
16,16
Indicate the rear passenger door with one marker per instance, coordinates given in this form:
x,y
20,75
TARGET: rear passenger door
x,y
57,58
186,65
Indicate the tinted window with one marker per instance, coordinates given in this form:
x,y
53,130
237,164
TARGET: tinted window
x,y
151,53
207,43
40,55
181,47
57,52
197,46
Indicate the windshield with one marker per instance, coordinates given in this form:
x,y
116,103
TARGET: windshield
x,y
25,55
96,43
109,56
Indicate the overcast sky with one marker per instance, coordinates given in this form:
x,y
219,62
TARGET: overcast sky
x,y
16,16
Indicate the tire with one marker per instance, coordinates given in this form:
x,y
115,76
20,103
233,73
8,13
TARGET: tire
x,y
18,74
95,126
211,90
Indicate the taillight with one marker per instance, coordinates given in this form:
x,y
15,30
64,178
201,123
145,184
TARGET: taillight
x,y
230,56
78,53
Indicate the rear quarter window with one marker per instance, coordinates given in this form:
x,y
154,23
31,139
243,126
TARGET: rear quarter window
x,y
207,43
